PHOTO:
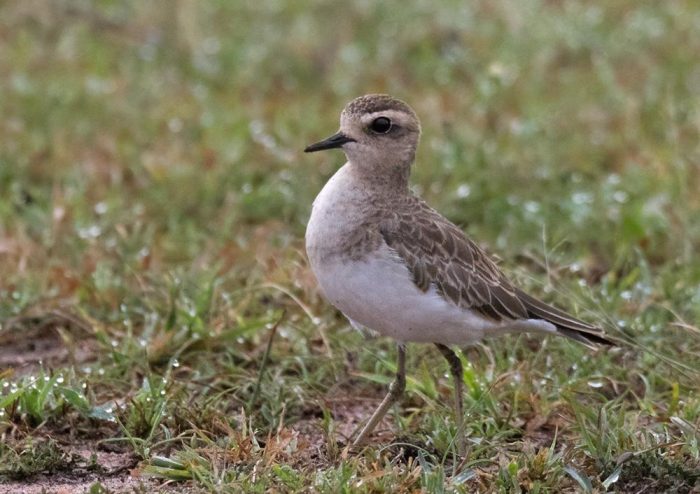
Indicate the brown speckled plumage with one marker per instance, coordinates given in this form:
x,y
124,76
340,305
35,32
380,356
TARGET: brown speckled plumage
x,y
438,253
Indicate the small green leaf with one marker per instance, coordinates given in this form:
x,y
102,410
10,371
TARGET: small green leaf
x,y
44,393
613,477
581,478
8,400
463,476
168,473
165,462
102,412
74,398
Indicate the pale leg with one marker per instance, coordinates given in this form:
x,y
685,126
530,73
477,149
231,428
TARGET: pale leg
x,y
458,376
395,391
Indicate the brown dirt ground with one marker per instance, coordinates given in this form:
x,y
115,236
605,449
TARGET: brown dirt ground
x,y
117,471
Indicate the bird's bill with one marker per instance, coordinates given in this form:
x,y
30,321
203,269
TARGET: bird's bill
x,y
334,141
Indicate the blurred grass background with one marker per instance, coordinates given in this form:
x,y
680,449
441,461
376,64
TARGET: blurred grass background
x,y
153,197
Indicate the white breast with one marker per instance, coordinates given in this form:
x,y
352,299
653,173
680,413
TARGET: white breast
x,y
336,210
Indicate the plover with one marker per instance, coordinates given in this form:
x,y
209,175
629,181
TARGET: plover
x,y
392,264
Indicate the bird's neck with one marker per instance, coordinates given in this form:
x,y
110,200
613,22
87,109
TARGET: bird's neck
x,y
382,179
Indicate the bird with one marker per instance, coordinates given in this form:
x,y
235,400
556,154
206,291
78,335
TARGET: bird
x,y
394,265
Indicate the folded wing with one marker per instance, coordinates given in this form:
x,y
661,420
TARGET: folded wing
x,y
438,254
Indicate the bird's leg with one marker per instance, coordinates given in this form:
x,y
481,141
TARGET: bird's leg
x,y
458,377
395,391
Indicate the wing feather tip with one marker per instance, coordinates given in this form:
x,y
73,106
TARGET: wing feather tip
x,y
567,325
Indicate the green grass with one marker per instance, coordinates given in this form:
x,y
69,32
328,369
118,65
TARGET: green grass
x,y
155,300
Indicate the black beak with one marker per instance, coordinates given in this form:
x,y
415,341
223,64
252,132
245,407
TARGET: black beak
x,y
334,141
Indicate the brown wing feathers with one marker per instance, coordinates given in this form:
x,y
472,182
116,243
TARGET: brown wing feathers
x,y
438,253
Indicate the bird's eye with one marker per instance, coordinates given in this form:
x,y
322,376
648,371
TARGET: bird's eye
x,y
380,125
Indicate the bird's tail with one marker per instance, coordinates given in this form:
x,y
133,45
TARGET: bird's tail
x,y
567,325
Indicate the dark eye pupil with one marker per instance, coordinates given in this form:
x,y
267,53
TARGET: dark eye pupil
x,y
382,125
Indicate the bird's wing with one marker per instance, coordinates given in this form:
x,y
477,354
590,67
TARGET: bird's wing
x,y
437,253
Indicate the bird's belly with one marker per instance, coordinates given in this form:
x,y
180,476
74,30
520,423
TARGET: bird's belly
x,y
378,293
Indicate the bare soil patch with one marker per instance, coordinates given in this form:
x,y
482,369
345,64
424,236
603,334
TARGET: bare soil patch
x,y
48,337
